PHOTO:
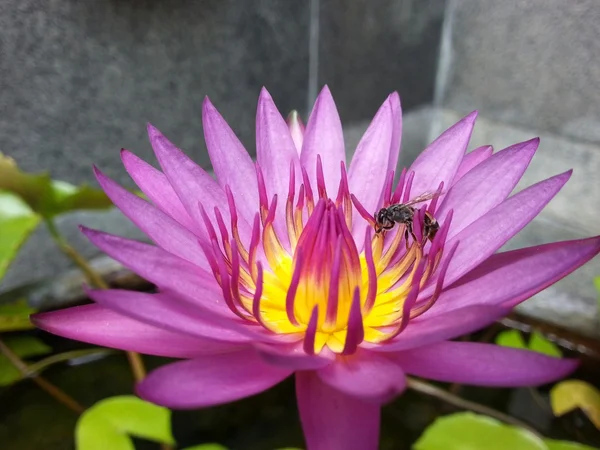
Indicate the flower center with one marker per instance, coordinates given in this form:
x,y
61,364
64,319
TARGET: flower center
x,y
312,279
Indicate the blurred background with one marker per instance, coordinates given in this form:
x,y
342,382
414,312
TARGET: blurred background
x,y
80,79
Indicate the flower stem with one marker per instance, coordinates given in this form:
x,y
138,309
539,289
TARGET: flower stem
x,y
135,360
44,384
92,276
434,391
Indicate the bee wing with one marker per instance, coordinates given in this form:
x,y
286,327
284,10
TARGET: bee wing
x,y
423,198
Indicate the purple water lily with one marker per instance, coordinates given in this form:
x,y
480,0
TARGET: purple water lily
x,y
274,268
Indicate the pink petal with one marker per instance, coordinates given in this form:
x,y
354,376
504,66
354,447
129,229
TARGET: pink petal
x,y
487,234
97,325
296,128
161,228
332,420
324,137
440,160
275,152
472,159
155,185
230,160
429,329
165,311
292,356
369,165
509,278
483,364
487,185
365,375
165,270
191,183
394,99
210,380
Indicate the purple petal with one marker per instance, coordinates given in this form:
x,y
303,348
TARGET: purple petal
x,y
324,137
333,420
97,325
210,380
292,356
483,364
191,183
487,234
165,311
161,228
530,270
165,270
230,160
428,330
365,375
472,159
296,128
440,160
394,99
155,185
369,165
275,153
487,185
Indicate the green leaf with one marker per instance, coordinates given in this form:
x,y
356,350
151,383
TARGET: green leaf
x,y
565,445
468,431
71,198
15,316
31,188
208,447
107,424
24,347
49,197
572,394
511,338
538,343
17,222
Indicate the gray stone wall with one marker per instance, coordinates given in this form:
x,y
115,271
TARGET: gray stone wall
x,y
530,63
80,79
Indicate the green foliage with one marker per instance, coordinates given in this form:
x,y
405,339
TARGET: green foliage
x,y
23,347
572,394
468,431
108,424
17,222
48,197
15,316
564,445
537,342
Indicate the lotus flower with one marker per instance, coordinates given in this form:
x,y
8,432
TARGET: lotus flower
x,y
274,268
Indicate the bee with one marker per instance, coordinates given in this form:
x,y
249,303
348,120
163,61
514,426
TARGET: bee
x,y
404,213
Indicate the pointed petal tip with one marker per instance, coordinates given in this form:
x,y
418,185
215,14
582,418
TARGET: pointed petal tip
x,y
153,132
264,94
207,105
472,116
394,98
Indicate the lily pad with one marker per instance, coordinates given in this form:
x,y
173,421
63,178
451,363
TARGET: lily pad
x,y
109,423
467,431
48,197
24,347
17,222
537,342
565,445
571,394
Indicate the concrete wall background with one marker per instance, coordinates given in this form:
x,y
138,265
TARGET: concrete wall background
x,y
79,80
